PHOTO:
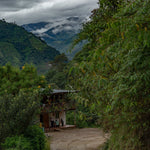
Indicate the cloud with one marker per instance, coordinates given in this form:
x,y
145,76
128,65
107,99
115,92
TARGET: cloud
x,y
71,23
31,11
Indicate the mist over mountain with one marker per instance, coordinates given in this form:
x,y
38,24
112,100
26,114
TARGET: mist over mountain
x,y
59,34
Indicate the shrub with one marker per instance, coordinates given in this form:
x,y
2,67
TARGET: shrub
x,y
36,137
33,139
17,143
17,113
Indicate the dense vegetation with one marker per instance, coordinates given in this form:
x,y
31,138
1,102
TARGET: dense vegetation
x,y
19,106
113,71
56,76
18,47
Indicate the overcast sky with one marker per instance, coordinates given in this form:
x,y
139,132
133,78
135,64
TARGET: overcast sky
x,y
32,11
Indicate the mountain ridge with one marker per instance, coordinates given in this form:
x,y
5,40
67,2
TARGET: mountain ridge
x,y
18,47
59,34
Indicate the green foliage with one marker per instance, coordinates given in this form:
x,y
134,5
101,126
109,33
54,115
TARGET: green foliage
x,y
57,74
70,117
105,146
59,62
114,78
17,143
36,136
19,99
17,113
81,120
12,79
47,145
85,116
32,139
18,47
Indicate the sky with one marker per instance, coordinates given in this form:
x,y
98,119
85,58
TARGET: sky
x,y
33,11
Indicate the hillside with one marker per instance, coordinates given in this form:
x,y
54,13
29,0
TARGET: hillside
x,y
59,34
18,47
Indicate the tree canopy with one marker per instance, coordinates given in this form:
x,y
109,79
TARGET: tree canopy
x,y
57,74
12,79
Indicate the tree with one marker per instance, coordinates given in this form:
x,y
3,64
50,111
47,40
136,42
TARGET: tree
x,y
57,75
12,79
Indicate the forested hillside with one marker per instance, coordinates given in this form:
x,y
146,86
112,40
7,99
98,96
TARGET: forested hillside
x,y
18,47
112,72
60,34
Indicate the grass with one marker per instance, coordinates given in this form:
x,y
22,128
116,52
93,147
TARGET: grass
x,y
103,146
47,147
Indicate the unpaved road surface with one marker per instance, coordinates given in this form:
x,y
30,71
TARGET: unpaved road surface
x,y
77,139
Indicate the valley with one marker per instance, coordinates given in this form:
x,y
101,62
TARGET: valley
x,y
59,34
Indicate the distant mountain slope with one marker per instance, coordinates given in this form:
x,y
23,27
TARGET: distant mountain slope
x,y
59,34
18,47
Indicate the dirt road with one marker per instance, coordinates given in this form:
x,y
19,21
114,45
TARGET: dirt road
x,y
77,139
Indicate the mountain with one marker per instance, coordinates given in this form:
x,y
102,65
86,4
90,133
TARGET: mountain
x,y
18,47
60,34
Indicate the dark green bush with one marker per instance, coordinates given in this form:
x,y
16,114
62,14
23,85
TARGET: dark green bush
x,y
33,139
17,113
17,143
36,136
